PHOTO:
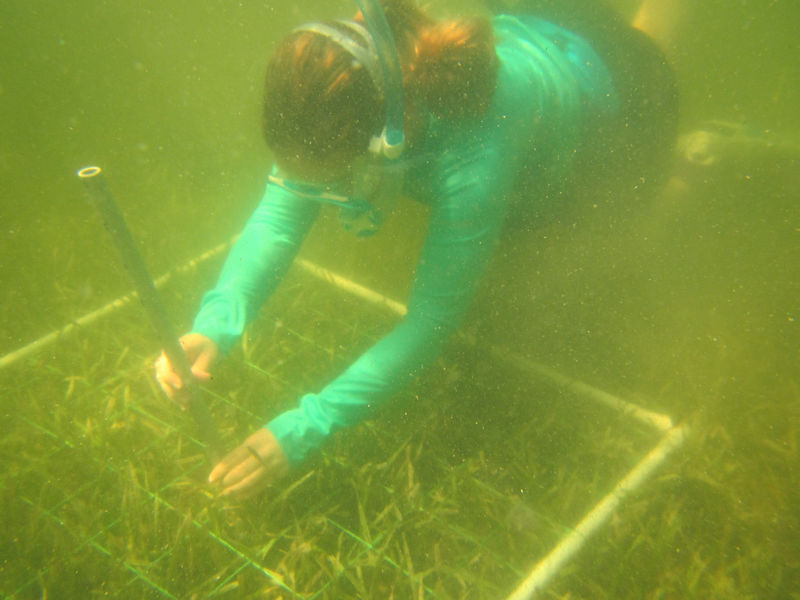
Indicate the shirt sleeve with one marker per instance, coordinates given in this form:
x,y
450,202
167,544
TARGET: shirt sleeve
x,y
255,266
466,219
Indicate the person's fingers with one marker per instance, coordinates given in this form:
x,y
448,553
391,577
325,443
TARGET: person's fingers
x,y
166,377
172,380
166,388
249,485
216,473
202,364
230,461
251,466
200,374
162,366
220,470
241,471
201,352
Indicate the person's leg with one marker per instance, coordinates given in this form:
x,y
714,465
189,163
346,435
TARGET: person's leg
x,y
631,152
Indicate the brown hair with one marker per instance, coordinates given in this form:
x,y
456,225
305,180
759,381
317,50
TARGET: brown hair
x,y
455,67
319,105
316,105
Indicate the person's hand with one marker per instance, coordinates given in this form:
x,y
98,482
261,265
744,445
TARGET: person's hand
x,y
202,354
249,468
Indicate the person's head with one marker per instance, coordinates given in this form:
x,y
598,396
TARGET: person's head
x,y
322,105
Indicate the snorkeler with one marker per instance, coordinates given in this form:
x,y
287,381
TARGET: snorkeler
x,y
460,114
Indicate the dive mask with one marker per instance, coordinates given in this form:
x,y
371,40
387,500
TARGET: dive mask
x,y
364,203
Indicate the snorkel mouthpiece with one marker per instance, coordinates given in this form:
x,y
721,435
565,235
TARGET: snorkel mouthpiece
x,y
378,26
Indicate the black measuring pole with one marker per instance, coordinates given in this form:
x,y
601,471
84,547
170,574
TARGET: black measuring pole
x,y
101,198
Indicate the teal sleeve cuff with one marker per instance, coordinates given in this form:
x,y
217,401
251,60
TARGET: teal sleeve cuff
x,y
301,430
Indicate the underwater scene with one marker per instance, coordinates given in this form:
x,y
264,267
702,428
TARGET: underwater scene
x,y
616,413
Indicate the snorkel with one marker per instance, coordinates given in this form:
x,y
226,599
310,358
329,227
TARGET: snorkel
x,y
392,140
381,178
378,174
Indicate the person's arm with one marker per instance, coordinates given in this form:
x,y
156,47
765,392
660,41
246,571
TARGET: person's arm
x,y
252,270
466,219
255,266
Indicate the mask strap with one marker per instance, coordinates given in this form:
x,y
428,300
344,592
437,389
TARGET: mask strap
x,y
365,54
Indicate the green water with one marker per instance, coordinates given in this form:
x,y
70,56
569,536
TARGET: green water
x,y
688,304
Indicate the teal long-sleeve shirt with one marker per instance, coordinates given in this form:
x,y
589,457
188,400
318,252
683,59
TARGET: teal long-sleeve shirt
x,y
549,83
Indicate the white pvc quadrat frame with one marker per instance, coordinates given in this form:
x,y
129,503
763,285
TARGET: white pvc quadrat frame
x,y
671,436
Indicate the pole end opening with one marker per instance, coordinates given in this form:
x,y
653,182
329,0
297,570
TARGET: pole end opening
x,y
87,172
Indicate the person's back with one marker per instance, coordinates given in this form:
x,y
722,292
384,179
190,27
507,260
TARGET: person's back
x,y
487,99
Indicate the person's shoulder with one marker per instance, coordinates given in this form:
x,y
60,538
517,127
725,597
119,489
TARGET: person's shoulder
x,y
509,28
